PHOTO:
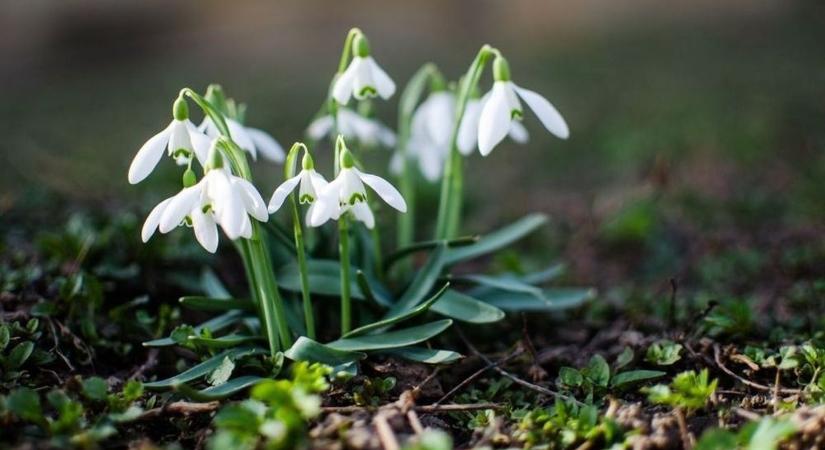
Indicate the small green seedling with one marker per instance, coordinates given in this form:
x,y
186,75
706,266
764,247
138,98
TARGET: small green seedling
x,y
595,378
663,353
688,390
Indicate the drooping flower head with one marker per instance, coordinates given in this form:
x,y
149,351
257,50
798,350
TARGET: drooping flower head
x,y
219,198
502,108
181,138
363,78
352,125
251,140
309,183
347,193
430,132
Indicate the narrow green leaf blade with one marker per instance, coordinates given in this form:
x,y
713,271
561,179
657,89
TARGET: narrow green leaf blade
x,y
324,278
219,392
388,322
212,285
422,284
228,341
634,376
200,303
426,355
305,349
497,239
215,324
462,307
204,368
392,339
555,299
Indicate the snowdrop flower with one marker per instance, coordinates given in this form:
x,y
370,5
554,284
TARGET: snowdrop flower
x,y
347,193
252,140
430,132
181,139
468,130
219,198
309,182
363,78
503,107
352,125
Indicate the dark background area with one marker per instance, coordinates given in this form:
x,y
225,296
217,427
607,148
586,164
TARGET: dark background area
x,y
722,99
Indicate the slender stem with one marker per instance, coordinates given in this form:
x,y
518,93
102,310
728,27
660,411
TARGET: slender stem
x,y
449,206
343,250
309,317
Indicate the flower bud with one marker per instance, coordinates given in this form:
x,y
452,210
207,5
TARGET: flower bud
x,y
215,159
307,163
189,178
180,109
501,69
360,46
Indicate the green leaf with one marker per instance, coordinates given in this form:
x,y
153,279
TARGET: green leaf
x,y
507,283
199,303
228,341
212,285
427,245
624,358
426,355
634,376
462,307
19,354
663,353
218,392
324,278
5,337
570,376
555,299
25,404
205,367
305,349
393,339
390,321
598,371
422,284
545,275
770,433
95,388
222,373
497,239
215,324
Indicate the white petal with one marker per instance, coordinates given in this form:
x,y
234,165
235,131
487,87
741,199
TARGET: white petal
x,y
326,206
227,203
363,82
363,213
267,145
252,200
246,228
201,143
153,220
320,127
206,232
386,136
319,183
282,192
179,207
342,89
546,112
431,163
441,116
518,133
396,163
384,190
468,129
383,83
148,156
241,137
494,122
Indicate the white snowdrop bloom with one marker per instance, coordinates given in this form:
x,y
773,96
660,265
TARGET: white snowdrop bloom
x,y
467,139
220,198
352,125
363,78
430,133
503,107
182,141
309,182
347,193
252,140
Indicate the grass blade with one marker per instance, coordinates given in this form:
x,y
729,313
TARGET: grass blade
x,y
215,324
497,239
200,303
217,392
392,339
426,355
205,367
462,307
554,299
305,349
422,284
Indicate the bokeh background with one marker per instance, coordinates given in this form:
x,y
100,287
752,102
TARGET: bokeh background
x,y
722,103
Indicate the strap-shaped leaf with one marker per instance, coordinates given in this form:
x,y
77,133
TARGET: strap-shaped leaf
x,y
507,283
324,278
462,307
392,339
555,299
215,324
217,392
199,303
401,253
212,285
228,341
545,275
205,367
422,284
305,349
497,239
426,355
635,376
388,322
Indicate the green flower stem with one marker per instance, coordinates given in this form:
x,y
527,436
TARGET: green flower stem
x,y
289,172
343,249
450,202
254,254
410,98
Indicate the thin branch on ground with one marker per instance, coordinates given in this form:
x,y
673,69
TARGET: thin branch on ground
x,y
180,408
476,374
718,359
426,409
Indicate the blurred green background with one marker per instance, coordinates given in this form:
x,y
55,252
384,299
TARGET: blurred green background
x,y
723,100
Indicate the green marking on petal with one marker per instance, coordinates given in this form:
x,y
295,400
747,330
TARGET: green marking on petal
x,y
368,91
306,198
517,114
357,197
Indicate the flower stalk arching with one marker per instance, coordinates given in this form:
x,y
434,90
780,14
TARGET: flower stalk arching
x,y
409,99
289,172
344,158
254,254
450,201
